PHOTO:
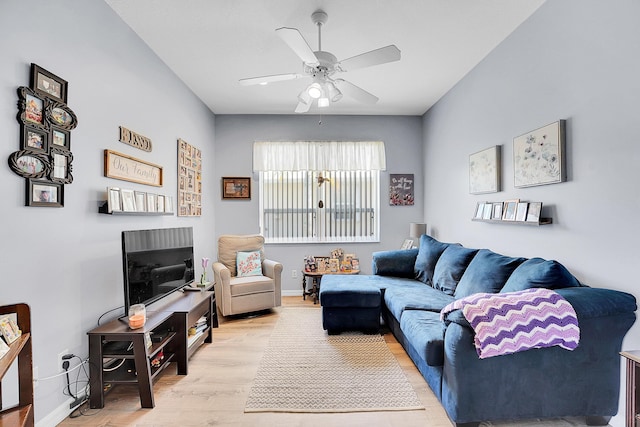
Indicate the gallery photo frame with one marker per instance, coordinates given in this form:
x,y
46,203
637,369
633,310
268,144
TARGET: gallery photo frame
x,y
48,84
44,193
539,156
484,171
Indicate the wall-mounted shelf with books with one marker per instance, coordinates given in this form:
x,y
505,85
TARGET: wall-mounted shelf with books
x,y
511,212
122,201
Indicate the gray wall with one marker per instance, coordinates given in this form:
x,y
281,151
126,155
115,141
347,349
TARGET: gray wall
x,y
575,60
235,135
66,263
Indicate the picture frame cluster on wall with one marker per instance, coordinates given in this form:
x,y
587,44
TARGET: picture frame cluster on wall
x,y
46,121
511,211
189,179
123,200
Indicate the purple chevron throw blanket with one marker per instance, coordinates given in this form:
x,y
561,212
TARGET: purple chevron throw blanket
x,y
517,321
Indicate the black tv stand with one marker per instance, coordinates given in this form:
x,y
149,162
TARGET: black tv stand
x,y
171,322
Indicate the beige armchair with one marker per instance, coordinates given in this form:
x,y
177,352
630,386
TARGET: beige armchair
x,y
236,295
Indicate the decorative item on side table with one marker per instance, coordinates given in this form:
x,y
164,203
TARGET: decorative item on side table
x,y
539,156
401,190
203,276
484,171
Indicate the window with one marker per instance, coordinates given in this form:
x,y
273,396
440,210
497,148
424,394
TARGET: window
x,y
309,193
327,206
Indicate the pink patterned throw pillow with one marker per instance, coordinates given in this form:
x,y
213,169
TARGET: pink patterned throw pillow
x,y
248,264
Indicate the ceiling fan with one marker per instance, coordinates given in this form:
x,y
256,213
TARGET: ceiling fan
x,y
321,66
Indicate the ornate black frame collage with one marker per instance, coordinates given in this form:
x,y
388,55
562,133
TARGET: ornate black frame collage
x,y
45,157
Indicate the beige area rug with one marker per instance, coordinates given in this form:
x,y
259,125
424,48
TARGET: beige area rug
x,y
305,370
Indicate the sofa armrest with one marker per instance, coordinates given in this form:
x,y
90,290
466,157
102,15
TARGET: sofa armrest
x,y
273,270
221,285
591,303
397,263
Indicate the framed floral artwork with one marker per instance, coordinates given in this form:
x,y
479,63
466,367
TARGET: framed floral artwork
x,y
484,171
539,156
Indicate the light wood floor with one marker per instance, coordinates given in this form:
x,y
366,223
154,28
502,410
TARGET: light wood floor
x,y
220,377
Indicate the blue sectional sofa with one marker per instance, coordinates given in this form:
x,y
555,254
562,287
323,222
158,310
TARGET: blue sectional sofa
x,y
415,285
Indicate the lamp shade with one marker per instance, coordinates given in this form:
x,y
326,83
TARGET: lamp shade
x,y
417,229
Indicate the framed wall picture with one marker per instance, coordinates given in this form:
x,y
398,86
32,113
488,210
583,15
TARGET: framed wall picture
x,y
479,210
34,139
60,138
401,192
30,164
141,201
484,171
127,168
31,108
61,166
48,84
539,156
521,211
238,188
189,179
114,204
509,210
44,193
496,211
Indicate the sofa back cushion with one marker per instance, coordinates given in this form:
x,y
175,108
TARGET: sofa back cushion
x,y
540,273
487,272
428,254
450,267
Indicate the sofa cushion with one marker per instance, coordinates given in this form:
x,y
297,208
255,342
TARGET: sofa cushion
x,y
540,273
428,254
414,296
487,272
450,267
394,263
425,331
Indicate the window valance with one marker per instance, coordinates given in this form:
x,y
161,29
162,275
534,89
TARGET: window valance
x,y
319,156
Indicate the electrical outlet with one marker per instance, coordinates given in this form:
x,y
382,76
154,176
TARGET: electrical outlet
x,y
35,376
62,353
294,274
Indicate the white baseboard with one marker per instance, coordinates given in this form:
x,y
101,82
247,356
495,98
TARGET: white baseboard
x,y
291,293
58,415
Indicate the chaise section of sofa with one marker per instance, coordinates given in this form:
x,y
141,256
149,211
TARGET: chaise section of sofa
x,y
537,383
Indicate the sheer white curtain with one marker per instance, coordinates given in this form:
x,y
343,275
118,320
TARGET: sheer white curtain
x,y
319,156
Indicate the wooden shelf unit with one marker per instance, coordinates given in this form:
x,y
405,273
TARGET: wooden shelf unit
x,y
20,350
541,221
115,340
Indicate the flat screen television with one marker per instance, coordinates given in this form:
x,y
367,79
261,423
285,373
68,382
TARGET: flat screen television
x,y
156,263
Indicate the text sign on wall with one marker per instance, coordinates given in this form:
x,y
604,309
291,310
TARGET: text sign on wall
x,y
133,139
126,168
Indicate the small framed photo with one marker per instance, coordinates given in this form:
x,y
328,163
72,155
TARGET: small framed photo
x,y
59,114
497,211
48,84
30,164
61,166
113,199
9,333
479,210
160,203
334,265
322,263
34,139
128,200
151,202
141,201
32,108
510,207
521,211
355,264
60,138
407,244
487,211
534,211
236,188
168,204
44,193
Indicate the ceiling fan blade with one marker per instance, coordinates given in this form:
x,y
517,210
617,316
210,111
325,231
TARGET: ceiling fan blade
x,y
298,44
375,57
302,107
269,79
356,92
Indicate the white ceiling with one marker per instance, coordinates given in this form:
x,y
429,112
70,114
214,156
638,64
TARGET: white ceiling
x,y
211,44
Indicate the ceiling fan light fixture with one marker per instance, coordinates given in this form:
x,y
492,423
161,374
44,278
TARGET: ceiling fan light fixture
x,y
304,97
323,102
314,90
333,92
